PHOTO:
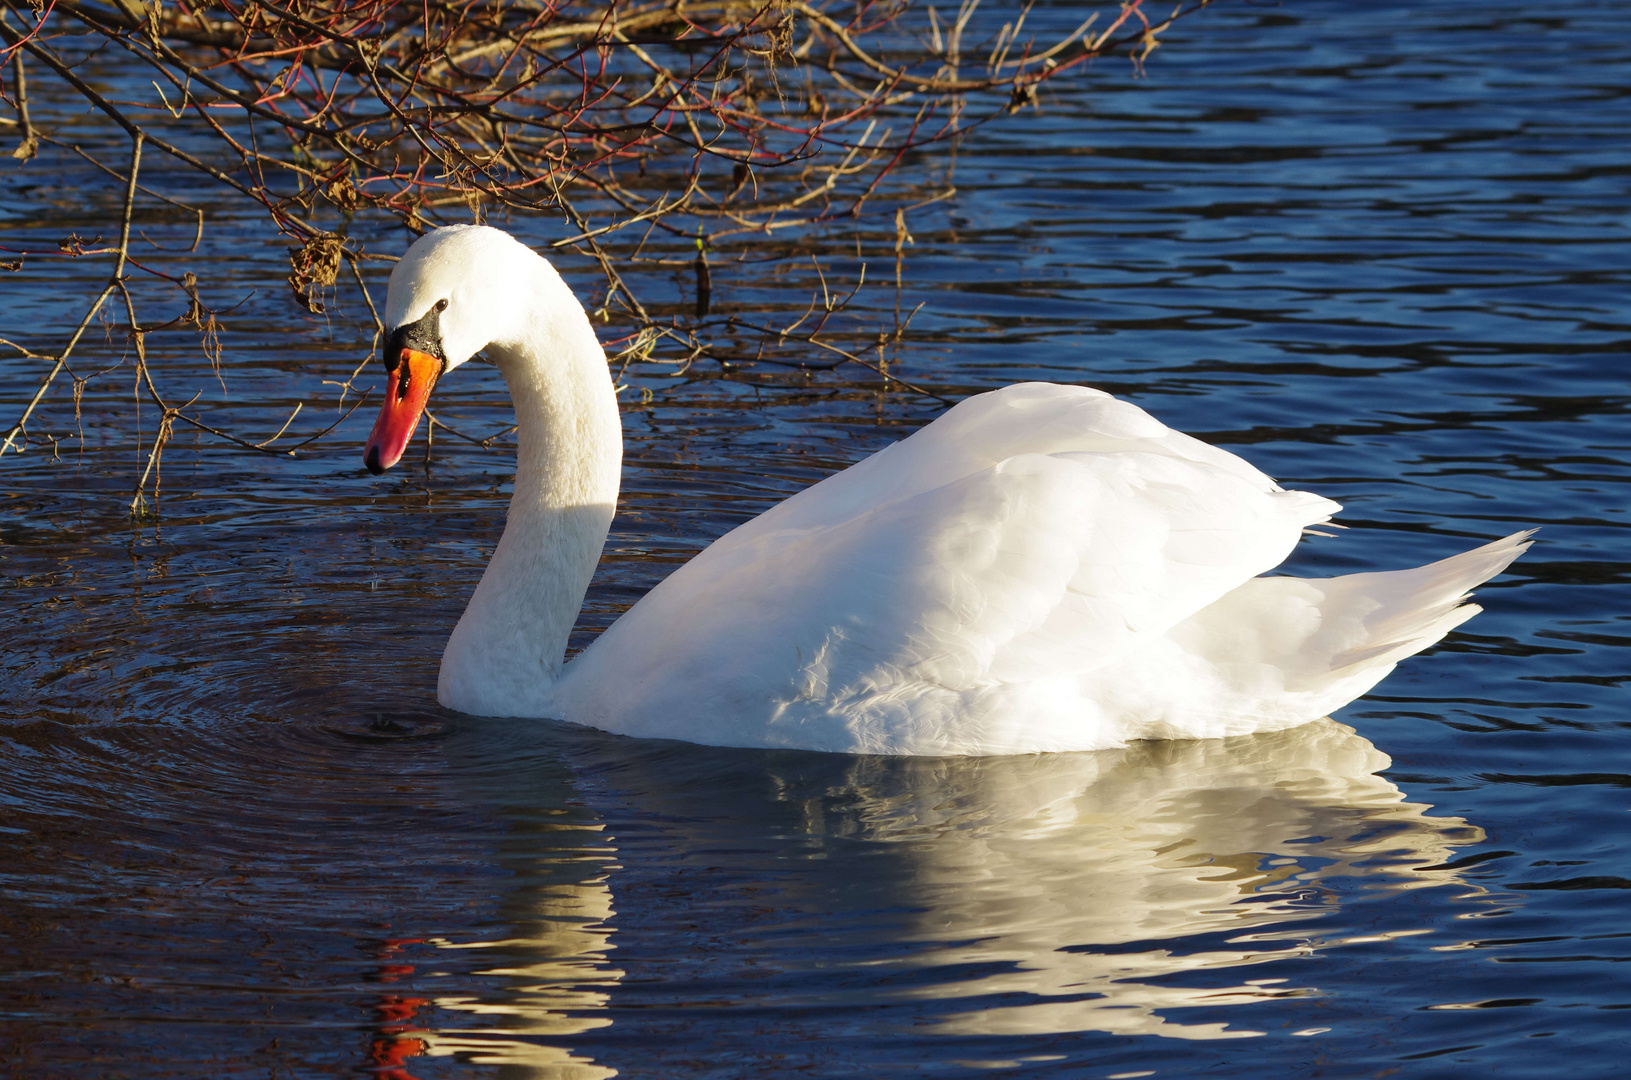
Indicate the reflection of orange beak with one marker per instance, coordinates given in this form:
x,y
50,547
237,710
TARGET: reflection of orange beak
x,y
405,397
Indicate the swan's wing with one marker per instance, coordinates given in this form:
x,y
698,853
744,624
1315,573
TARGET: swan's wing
x,y
916,616
980,432
1279,650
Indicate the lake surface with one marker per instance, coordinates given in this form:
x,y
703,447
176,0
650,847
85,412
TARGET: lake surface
x,y
1381,250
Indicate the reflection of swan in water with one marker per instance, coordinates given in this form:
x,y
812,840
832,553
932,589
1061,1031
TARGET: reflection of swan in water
x,y
1153,844
549,974
555,980
1072,885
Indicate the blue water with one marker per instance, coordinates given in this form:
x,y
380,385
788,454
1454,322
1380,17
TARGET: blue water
x,y
1381,250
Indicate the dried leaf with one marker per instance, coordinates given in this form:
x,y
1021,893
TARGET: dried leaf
x,y
315,265
343,193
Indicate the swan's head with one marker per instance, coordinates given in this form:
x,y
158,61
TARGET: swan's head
x,y
456,291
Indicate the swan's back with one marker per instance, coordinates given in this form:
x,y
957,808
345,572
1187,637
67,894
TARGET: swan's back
x,y
988,429
1042,568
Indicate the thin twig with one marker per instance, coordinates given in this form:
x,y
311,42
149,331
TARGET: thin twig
x,y
114,282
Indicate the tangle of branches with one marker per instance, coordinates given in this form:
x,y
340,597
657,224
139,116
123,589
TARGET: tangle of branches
x,y
703,125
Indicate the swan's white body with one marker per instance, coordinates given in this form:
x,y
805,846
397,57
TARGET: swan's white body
x,y
1042,568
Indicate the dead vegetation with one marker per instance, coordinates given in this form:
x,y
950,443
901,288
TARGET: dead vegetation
x,y
657,134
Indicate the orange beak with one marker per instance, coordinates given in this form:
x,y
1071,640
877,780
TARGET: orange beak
x,y
409,389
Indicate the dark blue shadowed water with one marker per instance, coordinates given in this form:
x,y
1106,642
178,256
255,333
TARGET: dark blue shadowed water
x,y
1382,250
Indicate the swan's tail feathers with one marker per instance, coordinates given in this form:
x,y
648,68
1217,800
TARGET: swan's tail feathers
x,y
1412,609
1280,651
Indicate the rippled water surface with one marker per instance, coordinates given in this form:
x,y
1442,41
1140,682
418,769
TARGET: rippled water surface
x,y
1379,249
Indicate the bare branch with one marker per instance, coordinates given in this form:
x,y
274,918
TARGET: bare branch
x,y
666,137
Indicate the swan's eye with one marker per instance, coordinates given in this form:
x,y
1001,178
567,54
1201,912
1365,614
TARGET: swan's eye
x,y
441,305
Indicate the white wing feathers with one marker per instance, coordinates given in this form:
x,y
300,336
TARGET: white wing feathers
x,y
1026,418
1279,651
954,593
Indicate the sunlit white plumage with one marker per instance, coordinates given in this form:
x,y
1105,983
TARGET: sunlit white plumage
x,y
1044,567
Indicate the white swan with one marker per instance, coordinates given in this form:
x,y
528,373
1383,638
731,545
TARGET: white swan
x,y
1042,568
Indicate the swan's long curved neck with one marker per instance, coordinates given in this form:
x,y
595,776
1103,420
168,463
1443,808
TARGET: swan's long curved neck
x,y
511,641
